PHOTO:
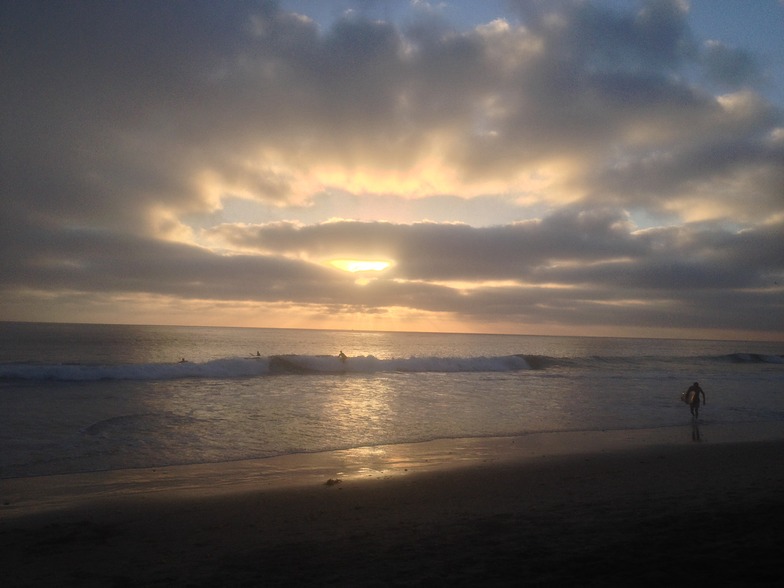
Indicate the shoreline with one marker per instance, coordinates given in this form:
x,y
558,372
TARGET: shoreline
x,y
29,495
645,507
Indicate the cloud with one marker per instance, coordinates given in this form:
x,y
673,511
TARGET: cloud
x,y
439,251
588,268
608,273
600,248
730,66
204,103
136,130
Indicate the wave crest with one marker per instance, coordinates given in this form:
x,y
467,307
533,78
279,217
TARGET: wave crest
x,y
251,367
259,366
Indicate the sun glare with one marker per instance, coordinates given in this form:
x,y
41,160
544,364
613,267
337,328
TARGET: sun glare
x,y
356,265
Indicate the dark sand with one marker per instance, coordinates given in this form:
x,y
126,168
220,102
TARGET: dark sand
x,y
631,508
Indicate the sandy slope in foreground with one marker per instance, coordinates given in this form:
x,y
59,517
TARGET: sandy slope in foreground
x,y
622,511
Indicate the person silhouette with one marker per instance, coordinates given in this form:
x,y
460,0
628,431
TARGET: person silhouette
x,y
342,356
693,394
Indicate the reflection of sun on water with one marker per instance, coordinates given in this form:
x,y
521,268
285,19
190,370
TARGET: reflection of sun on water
x,y
365,408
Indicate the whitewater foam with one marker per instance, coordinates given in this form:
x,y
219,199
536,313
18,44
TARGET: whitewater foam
x,y
249,367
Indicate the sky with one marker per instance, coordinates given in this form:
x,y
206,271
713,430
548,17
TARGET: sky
x,y
559,167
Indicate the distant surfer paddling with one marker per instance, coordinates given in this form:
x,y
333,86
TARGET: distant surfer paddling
x,y
342,357
693,399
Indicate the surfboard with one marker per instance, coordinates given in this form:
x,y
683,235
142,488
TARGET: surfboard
x,y
687,396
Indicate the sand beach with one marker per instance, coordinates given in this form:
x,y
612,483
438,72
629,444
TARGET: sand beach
x,y
597,508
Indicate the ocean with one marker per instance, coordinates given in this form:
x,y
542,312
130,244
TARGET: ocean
x,y
82,398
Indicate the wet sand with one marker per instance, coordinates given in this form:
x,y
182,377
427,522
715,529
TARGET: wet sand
x,y
609,508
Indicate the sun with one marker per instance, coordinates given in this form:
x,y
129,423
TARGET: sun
x,y
358,265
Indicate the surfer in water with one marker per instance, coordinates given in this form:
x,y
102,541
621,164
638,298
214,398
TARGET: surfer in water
x,y
693,394
342,356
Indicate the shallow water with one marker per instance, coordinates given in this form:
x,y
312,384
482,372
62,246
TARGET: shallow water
x,y
96,397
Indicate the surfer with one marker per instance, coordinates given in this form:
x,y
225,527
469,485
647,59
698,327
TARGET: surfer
x,y
693,395
342,356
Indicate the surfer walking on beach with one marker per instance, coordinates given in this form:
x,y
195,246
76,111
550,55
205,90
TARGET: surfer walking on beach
x,y
693,394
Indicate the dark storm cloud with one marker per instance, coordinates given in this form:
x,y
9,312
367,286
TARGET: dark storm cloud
x,y
122,121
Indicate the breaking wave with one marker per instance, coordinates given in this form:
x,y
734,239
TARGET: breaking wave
x,y
244,367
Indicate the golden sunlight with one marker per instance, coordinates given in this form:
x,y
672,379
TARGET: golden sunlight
x,y
356,265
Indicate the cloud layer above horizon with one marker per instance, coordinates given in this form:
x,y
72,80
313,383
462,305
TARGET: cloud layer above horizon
x,y
565,167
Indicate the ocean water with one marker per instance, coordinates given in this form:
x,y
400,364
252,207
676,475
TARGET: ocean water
x,y
76,398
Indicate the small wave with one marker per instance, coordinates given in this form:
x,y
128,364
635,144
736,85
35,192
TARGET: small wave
x,y
219,368
753,358
261,366
250,367
326,364
542,362
140,421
